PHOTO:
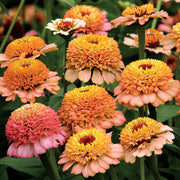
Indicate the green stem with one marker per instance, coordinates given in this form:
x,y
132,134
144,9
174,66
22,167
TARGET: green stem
x,y
11,26
154,23
142,169
141,37
170,122
113,173
177,73
49,161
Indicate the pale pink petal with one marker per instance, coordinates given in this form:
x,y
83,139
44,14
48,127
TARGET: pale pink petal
x,y
130,42
38,148
148,98
119,119
117,90
84,75
46,142
49,48
77,168
67,165
87,171
164,96
106,124
97,77
71,75
106,27
108,76
136,101
143,19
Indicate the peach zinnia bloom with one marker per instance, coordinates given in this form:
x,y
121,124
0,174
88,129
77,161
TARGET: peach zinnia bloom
x,y
27,78
65,26
177,98
93,55
153,41
142,136
88,107
173,39
25,47
33,129
96,22
90,151
139,15
146,81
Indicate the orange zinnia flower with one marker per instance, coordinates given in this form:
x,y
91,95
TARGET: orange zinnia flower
x,y
88,107
96,21
142,136
139,15
32,129
90,151
25,47
27,78
146,81
95,55
173,39
153,41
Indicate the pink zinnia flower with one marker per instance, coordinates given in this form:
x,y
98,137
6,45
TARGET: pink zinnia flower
x,y
33,129
142,136
90,151
96,22
27,78
178,1
89,107
25,47
146,81
139,15
153,41
173,39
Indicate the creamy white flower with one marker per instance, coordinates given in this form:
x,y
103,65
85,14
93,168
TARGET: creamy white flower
x,y
65,26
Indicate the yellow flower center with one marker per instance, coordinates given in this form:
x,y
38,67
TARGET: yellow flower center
x,y
86,107
139,11
139,131
25,74
93,51
176,29
145,76
65,25
26,45
87,145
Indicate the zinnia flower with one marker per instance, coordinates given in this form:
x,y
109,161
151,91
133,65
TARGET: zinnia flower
x,y
95,55
96,22
173,39
146,81
177,98
142,136
27,78
153,41
25,47
90,151
139,15
65,26
33,129
88,107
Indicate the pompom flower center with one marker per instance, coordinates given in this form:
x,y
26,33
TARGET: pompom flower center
x,y
95,144
83,13
139,11
176,29
25,74
87,140
30,122
139,131
65,25
26,45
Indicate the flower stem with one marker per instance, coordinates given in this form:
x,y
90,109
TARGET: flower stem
x,y
141,37
154,23
12,25
177,73
49,161
142,169
113,173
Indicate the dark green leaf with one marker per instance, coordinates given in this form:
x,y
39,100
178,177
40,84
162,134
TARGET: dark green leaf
x,y
4,8
70,3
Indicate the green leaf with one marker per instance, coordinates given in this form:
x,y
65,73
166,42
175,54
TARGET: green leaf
x,y
165,112
30,166
175,150
4,8
71,87
70,3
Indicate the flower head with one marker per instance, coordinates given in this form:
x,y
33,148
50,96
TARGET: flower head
x,y
88,107
139,15
153,41
95,55
27,78
146,81
65,26
96,21
25,47
142,136
173,39
32,129
90,151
